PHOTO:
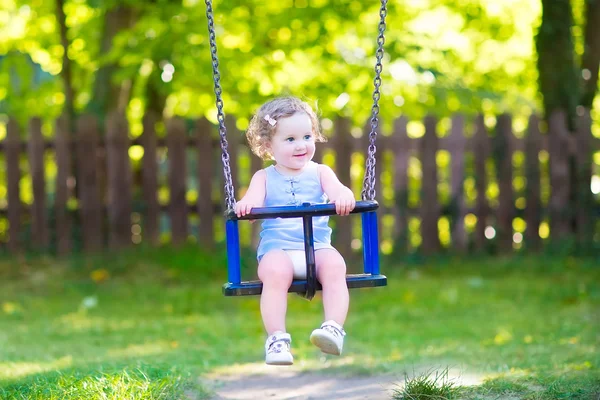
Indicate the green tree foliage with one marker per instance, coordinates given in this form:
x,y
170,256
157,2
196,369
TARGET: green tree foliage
x,y
442,56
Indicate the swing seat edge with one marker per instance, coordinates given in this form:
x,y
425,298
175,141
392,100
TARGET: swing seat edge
x,y
354,281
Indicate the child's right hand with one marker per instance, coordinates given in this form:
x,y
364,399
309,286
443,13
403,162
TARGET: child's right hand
x,y
243,207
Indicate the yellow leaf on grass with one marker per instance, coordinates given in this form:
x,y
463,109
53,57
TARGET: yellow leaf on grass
x,y
502,337
99,275
10,308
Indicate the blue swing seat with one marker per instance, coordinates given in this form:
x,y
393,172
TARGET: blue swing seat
x,y
305,287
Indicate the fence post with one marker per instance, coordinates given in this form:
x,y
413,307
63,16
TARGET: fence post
x,y
233,143
64,183
12,146
256,164
35,150
342,143
481,150
400,146
176,144
533,207
150,179
585,220
456,144
559,208
205,171
503,154
119,180
90,210
430,210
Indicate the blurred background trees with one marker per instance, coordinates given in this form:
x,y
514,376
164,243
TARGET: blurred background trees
x,y
442,56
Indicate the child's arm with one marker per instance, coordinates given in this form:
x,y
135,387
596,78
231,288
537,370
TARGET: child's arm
x,y
255,195
339,194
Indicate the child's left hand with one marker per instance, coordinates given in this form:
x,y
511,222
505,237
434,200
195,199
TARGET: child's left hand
x,y
344,201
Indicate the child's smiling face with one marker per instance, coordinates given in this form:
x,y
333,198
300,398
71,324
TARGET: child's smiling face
x,y
293,144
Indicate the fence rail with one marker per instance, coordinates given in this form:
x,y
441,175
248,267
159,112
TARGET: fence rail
x,y
94,167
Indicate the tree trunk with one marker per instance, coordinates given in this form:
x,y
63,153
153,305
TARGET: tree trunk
x,y
591,54
69,108
156,99
558,78
107,94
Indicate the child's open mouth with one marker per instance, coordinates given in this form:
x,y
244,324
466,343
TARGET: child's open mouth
x,y
300,155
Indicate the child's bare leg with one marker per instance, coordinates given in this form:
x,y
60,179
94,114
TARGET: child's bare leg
x,y
276,272
331,272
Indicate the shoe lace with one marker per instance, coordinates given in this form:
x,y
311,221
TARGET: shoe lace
x,y
334,330
278,344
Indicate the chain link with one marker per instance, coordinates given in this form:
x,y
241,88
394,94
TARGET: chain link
x,y
228,182
368,191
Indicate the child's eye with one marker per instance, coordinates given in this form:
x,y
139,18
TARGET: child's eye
x,y
290,139
307,137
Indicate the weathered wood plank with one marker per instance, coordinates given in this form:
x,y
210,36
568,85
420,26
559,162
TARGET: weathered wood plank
x,y
558,207
533,209
256,164
503,154
177,177
481,151
400,145
430,210
91,209
150,180
585,218
342,143
13,185
205,172
40,234
64,185
234,149
457,141
119,181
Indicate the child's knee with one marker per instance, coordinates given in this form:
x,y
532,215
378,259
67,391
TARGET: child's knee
x,y
332,266
275,267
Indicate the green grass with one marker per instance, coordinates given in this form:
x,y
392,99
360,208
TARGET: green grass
x,y
432,385
146,324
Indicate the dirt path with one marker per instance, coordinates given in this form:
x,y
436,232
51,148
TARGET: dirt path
x,y
292,383
263,382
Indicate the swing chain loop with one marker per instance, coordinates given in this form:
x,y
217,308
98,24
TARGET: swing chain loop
x,y
229,190
368,191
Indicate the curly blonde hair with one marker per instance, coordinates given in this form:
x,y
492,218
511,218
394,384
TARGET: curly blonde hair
x,y
260,131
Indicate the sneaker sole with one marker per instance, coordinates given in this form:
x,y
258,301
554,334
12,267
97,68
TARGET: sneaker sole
x,y
325,344
280,361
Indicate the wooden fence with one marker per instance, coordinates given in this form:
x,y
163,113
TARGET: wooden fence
x,y
104,200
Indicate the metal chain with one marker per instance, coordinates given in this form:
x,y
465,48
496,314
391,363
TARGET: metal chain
x,y
229,190
368,191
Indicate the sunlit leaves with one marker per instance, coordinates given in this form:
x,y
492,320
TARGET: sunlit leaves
x,y
442,56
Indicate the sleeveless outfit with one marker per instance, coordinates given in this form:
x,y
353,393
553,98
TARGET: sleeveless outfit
x,y
288,233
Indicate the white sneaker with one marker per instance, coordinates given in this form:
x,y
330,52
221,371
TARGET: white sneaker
x,y
329,338
277,349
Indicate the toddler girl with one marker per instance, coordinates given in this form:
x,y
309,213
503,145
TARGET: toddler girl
x,y
285,130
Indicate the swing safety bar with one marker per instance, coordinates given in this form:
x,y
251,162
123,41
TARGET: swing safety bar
x,y
305,287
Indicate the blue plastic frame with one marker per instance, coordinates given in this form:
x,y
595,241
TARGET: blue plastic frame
x,y
370,278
